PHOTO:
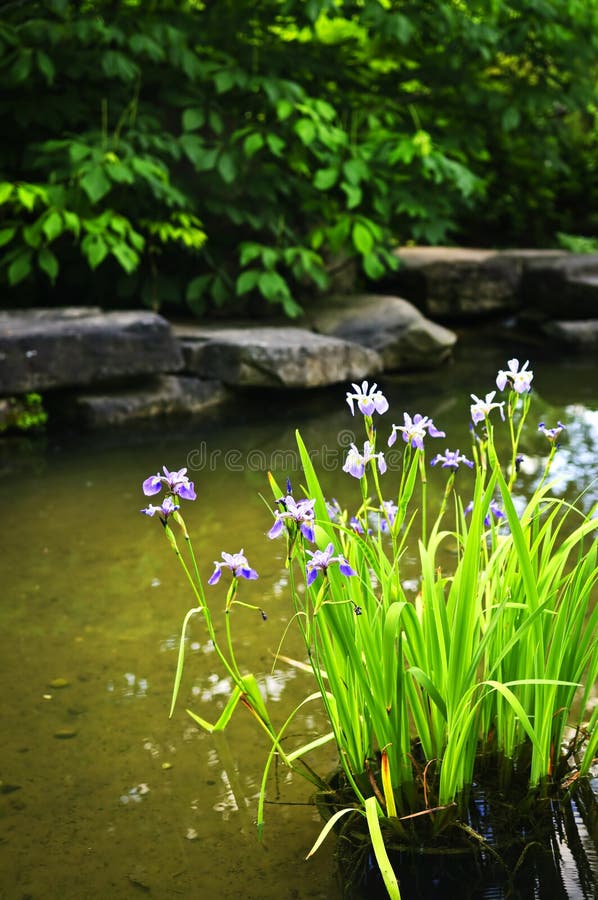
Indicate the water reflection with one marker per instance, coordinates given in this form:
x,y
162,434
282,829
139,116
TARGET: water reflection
x,y
575,467
134,686
134,794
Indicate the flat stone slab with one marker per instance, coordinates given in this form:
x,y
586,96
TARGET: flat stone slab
x,y
166,395
580,333
393,327
567,287
46,348
462,282
282,357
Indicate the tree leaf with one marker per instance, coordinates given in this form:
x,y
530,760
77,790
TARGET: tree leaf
x,y
511,118
72,222
363,240
119,173
32,234
197,287
273,286
284,108
6,235
324,179
253,143
21,68
355,170
373,268
227,167
48,262
306,130
353,194
26,197
220,291
249,251
46,66
95,184
216,123
52,225
193,147
193,119
224,81
275,143
116,65
247,281
19,268
126,256
206,160
95,249
78,151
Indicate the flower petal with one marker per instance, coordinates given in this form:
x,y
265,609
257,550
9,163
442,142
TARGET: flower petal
x,y
276,529
346,568
186,491
215,576
308,532
312,574
501,380
152,485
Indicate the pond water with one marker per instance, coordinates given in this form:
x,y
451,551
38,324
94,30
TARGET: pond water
x,y
101,795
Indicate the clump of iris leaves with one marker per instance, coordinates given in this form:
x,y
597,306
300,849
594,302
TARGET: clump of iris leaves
x,y
496,653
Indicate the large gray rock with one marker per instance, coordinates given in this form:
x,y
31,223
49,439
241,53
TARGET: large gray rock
x,y
46,348
397,330
273,356
579,333
561,288
461,282
165,395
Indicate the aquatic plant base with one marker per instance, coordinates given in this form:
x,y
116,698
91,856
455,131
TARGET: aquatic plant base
x,y
505,844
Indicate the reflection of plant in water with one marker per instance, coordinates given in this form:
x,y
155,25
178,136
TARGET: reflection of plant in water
x,y
22,413
484,663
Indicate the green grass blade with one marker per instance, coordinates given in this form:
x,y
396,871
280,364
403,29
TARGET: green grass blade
x,y
224,717
181,660
313,745
386,870
328,828
519,712
427,683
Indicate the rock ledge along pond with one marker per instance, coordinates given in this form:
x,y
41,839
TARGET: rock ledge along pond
x,y
101,795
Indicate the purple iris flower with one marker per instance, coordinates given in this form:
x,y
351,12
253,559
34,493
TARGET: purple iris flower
x,y
520,379
386,516
552,434
356,525
321,560
299,511
482,408
414,430
494,510
238,565
356,462
451,460
176,482
166,509
369,400
333,508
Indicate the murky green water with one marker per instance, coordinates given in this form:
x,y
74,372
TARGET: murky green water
x,y
103,796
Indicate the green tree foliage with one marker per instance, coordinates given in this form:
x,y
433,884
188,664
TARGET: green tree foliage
x,y
205,153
